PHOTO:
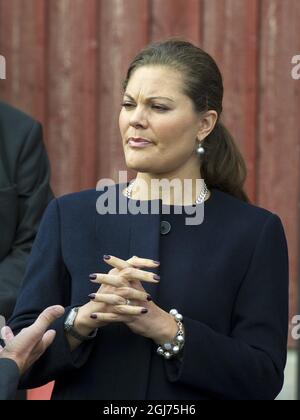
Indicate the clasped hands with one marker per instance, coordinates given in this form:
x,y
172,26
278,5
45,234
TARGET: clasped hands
x,y
109,304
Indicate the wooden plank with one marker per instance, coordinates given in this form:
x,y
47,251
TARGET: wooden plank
x,y
72,81
123,31
6,18
279,123
22,38
180,18
231,37
9,41
32,58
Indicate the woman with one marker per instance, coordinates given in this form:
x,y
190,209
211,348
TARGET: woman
x,y
225,280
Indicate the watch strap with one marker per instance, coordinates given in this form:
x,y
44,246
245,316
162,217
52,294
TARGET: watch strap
x,y
69,326
80,337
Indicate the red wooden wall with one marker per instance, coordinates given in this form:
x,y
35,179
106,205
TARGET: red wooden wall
x,y
66,60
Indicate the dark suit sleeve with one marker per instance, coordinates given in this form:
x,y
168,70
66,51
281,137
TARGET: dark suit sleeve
x,y
249,363
9,378
46,283
34,193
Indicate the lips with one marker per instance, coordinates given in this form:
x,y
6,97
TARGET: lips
x,y
138,140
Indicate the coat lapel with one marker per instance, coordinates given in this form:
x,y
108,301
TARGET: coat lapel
x,y
125,235
144,242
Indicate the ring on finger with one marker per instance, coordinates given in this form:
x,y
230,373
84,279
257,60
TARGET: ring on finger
x,y
128,302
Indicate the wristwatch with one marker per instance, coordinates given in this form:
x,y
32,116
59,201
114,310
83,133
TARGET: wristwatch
x,y
69,326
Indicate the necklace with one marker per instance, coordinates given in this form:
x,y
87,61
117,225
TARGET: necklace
x,y
200,199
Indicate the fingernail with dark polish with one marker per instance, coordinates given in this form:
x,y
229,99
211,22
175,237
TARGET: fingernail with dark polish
x,y
92,276
156,277
149,298
92,296
144,311
156,262
106,257
93,316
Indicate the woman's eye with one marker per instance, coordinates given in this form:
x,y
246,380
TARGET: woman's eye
x,y
126,104
160,108
156,107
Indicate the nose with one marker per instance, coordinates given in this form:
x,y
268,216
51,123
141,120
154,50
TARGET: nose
x,y
138,119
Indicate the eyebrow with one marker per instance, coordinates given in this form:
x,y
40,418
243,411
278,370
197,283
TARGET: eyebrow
x,y
152,97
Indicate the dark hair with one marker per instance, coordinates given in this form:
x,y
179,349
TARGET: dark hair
x,y
222,165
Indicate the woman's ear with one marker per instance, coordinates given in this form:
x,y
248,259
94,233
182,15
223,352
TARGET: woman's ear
x,y
207,124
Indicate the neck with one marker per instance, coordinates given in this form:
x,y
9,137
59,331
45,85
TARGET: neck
x,y
178,188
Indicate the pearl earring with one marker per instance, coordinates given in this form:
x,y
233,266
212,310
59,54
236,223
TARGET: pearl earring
x,y
200,150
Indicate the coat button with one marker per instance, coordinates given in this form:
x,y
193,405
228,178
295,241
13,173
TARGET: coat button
x,y
165,227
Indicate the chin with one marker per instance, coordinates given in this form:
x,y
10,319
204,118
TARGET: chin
x,y
137,166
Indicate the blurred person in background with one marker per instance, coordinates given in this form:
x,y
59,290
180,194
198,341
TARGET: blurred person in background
x,y
24,195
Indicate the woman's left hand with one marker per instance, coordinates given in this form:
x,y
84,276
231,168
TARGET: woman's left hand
x,y
156,324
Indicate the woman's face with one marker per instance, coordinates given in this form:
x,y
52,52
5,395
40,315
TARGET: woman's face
x,y
155,108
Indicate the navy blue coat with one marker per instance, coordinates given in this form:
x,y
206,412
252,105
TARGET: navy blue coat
x,y
227,276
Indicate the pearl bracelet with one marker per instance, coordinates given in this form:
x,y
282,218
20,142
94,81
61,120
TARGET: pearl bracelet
x,y
169,350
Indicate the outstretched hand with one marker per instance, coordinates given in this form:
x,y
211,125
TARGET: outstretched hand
x,y
31,342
